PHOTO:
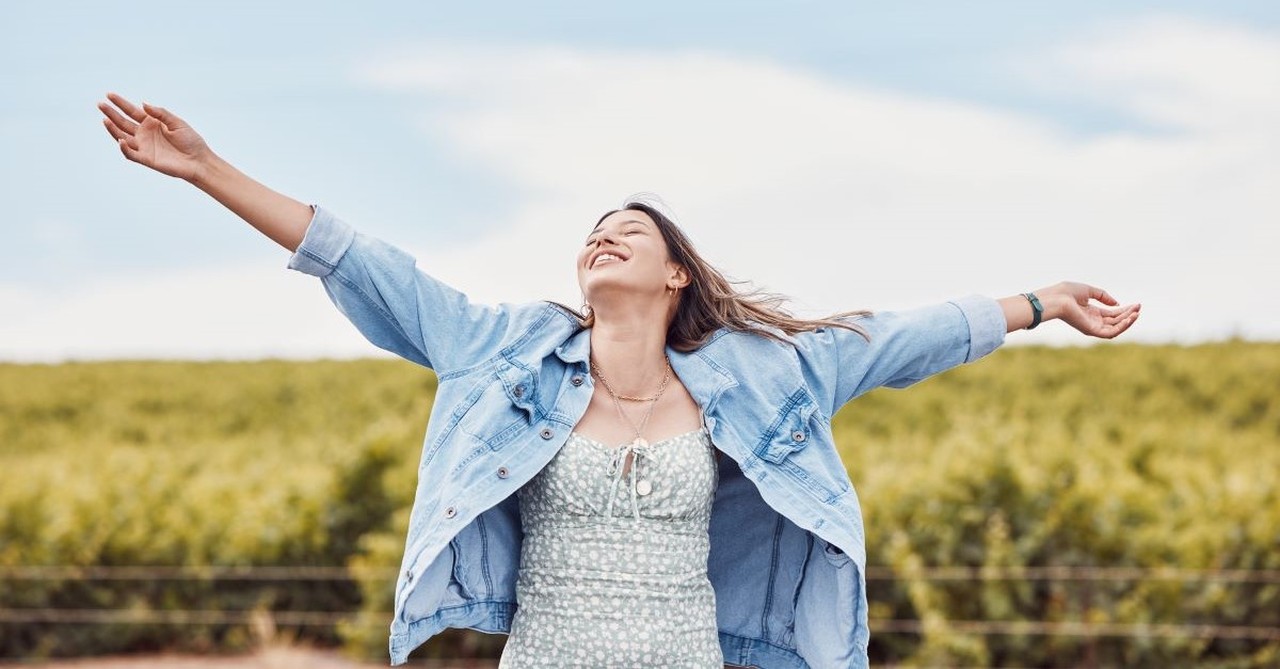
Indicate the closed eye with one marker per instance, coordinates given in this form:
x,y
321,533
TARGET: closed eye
x,y
634,230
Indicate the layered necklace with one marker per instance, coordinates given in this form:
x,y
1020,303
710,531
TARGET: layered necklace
x,y
639,446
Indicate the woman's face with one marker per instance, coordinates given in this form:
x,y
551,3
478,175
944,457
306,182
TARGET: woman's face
x,y
626,250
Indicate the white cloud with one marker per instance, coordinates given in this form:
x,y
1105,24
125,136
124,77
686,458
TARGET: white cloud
x,y
224,313
840,195
1173,70
845,196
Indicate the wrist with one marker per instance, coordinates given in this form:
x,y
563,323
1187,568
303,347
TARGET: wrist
x,y
206,170
1054,303
1055,299
1018,312
1037,310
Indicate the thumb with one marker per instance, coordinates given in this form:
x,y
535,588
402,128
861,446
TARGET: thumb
x,y
166,117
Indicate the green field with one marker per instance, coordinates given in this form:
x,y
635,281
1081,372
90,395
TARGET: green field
x,y
1115,456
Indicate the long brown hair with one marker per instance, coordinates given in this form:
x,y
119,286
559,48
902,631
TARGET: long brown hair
x,y
710,302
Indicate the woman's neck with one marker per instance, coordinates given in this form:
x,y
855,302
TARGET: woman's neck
x,y
631,350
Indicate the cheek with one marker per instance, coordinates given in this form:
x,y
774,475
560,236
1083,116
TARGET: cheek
x,y
650,270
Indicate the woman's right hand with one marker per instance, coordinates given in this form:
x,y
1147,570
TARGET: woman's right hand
x,y
155,137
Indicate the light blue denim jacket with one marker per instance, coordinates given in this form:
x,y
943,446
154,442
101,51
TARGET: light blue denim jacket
x,y
787,545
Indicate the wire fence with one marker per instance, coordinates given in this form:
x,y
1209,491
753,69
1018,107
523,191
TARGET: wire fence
x,y
873,573
206,573
184,573
1085,629
1080,574
879,625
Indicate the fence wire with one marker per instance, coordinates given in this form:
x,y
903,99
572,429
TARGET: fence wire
x,y
874,573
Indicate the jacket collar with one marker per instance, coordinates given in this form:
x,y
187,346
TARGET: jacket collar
x,y
701,376
577,348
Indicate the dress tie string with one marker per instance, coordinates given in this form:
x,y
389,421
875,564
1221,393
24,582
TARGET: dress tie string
x,y
641,450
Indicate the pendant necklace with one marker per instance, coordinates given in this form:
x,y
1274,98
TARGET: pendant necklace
x,y
638,446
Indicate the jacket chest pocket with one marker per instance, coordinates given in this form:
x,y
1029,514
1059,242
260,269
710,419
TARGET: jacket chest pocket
x,y
502,405
800,445
792,430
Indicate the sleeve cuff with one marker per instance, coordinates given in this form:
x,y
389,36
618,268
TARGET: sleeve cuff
x,y
987,326
326,240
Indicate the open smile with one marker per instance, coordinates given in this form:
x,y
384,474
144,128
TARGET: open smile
x,y
606,258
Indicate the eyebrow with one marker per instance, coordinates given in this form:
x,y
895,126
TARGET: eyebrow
x,y
623,224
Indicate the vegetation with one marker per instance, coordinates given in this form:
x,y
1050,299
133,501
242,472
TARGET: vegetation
x,y
1110,456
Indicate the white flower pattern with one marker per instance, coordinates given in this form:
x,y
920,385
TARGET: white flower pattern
x,y
617,580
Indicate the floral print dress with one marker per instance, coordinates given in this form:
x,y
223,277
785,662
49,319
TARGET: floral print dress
x,y
613,567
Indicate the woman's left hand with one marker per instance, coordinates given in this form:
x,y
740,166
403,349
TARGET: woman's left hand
x,y
1072,302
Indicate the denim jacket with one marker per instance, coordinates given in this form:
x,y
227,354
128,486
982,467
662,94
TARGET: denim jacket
x,y
787,545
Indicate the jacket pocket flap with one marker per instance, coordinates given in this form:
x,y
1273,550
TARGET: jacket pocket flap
x,y
792,431
520,386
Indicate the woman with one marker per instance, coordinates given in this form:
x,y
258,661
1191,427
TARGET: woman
x,y
569,492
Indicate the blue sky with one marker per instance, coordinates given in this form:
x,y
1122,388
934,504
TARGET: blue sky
x,y
850,155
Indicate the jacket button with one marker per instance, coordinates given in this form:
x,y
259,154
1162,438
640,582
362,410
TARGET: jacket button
x,y
798,435
518,391
502,472
450,512
546,433
576,380
408,575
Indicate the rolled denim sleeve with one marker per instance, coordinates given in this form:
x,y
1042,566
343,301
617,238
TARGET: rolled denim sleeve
x,y
323,245
395,305
903,347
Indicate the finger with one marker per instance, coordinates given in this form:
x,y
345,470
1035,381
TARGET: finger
x,y
1121,314
127,107
131,141
129,152
1112,322
1102,296
1116,313
1115,330
125,125
1124,325
168,118
113,130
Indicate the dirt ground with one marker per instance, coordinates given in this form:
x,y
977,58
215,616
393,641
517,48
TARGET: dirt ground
x,y
267,658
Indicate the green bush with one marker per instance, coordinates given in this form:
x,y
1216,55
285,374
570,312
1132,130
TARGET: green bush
x,y
1110,456
265,464
1113,456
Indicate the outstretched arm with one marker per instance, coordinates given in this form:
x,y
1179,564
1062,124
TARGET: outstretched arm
x,y
379,287
903,347
1071,303
157,138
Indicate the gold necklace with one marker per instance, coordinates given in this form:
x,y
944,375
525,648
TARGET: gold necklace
x,y
639,445
653,401
652,398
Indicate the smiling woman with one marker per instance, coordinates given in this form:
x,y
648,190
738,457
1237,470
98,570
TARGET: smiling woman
x,y
590,521
699,298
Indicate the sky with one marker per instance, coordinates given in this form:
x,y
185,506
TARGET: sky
x,y
848,155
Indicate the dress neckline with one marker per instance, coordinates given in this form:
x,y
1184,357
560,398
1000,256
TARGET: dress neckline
x,y
654,444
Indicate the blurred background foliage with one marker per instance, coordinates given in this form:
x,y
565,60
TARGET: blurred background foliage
x,y
1109,456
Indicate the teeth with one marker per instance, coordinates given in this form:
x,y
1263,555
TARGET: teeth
x,y
603,257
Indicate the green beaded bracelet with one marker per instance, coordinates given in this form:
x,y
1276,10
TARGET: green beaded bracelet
x,y
1036,309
